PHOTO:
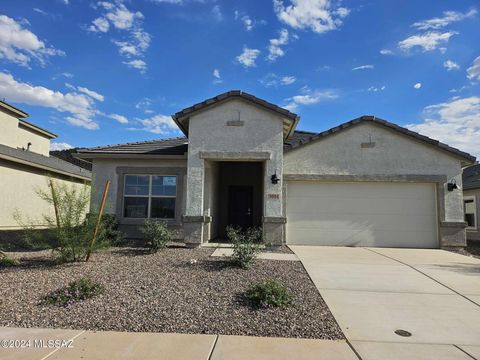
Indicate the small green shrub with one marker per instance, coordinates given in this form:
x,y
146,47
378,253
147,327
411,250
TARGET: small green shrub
x,y
108,233
7,261
245,245
269,293
77,290
157,235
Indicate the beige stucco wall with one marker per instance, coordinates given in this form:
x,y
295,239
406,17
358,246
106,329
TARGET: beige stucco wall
x,y
262,131
18,192
393,154
17,137
474,234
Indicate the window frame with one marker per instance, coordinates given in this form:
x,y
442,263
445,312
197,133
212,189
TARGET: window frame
x,y
149,196
473,198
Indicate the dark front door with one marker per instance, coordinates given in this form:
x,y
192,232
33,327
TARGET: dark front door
x,y
240,206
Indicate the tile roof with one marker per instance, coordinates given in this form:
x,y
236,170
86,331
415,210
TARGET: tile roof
x,y
172,146
52,164
471,177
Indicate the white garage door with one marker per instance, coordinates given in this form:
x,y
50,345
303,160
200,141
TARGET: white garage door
x,y
361,214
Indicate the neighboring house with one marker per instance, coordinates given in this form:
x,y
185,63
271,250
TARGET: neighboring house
x,y
471,201
367,182
25,167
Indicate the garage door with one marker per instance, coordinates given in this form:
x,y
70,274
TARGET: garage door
x,y
361,214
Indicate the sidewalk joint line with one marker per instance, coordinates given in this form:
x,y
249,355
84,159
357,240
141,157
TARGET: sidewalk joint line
x,y
459,348
54,351
213,347
353,349
421,272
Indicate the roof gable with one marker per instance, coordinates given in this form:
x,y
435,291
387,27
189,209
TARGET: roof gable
x,y
182,117
467,158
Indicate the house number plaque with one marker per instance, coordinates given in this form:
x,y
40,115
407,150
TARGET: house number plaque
x,y
274,196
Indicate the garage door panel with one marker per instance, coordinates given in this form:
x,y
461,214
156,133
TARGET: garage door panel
x,y
363,214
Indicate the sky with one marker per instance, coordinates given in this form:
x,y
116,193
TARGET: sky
x,y
108,72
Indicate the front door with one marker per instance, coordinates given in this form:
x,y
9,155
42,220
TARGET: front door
x,y
240,206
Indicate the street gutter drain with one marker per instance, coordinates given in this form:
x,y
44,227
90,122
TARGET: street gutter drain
x,y
403,333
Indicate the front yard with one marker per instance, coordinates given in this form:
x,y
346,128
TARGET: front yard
x,y
164,292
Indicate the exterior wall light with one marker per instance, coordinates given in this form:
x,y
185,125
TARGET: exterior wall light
x,y
274,178
452,185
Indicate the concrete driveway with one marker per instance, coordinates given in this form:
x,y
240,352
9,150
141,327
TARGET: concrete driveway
x,y
373,292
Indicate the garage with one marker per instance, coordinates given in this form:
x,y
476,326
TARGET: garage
x,y
377,214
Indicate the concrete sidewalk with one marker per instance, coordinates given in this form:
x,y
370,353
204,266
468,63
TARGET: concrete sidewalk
x,y
101,345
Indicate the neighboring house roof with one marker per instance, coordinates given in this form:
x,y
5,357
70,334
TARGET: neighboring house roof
x,y
49,164
372,119
66,155
21,115
471,177
181,117
12,109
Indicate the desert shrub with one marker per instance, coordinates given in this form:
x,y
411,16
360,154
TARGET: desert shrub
x,y
7,261
246,245
157,235
269,293
108,233
77,290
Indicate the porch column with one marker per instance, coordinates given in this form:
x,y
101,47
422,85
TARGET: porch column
x,y
193,220
273,216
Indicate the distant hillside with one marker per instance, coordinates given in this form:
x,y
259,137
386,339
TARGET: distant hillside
x,y
66,155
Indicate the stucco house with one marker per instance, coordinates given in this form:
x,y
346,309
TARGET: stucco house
x,y
471,201
25,167
366,182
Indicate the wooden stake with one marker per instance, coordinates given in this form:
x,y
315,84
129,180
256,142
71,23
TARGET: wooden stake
x,y
55,203
105,192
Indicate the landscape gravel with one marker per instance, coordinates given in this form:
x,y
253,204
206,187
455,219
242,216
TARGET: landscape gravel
x,y
164,292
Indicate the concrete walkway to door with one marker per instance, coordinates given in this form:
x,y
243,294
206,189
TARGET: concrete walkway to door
x,y
373,292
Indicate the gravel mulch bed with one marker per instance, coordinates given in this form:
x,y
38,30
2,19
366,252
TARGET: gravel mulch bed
x,y
164,293
472,249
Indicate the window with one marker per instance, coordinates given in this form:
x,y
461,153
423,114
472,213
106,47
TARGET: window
x,y
150,196
469,207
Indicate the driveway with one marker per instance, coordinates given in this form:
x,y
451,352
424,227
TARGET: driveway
x,y
373,292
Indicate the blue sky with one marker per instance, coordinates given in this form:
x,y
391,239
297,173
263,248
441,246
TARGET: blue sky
x,y
110,72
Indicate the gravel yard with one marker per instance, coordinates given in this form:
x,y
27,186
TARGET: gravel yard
x,y
164,293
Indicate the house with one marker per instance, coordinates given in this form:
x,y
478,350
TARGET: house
x,y
25,167
471,201
367,182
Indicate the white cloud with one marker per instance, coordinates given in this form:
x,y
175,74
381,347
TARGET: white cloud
x,y
386,52
136,41
248,56
20,45
473,72
217,79
91,93
364,67
40,11
376,89
318,15
137,64
54,146
451,65
455,122
428,41
448,18
158,124
120,118
81,108
417,86
309,97
274,49
273,80
247,22
217,13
